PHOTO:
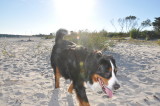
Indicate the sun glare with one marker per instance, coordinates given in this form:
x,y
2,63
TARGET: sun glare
x,y
73,13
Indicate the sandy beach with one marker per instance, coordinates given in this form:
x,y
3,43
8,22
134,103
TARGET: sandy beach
x,y
26,77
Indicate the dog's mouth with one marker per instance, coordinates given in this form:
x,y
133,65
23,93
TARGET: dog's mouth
x,y
105,88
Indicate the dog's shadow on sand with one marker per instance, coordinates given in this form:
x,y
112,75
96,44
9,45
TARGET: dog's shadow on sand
x,y
54,101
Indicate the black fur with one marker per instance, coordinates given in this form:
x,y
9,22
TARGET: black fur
x,y
77,63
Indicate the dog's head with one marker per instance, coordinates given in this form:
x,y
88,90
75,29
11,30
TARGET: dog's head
x,y
60,34
105,75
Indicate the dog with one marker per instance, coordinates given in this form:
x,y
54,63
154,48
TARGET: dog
x,y
83,67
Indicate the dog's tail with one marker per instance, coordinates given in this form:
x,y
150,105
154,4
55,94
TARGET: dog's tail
x,y
60,34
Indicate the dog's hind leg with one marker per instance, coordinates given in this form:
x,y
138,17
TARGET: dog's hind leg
x,y
57,77
81,95
70,89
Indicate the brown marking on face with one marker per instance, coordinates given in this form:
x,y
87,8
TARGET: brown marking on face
x,y
82,102
57,77
70,89
96,76
110,69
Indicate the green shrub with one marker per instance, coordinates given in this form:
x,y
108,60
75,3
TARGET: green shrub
x,y
117,34
48,36
158,42
155,34
89,40
149,35
143,34
134,33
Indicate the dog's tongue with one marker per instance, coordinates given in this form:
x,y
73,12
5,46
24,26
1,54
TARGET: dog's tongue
x,y
105,88
107,91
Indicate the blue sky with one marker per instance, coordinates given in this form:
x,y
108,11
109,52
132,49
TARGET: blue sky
x,y
46,16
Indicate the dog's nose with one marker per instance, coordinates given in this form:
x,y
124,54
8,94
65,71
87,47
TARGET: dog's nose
x,y
116,86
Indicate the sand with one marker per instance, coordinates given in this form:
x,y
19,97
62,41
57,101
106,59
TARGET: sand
x,y
26,77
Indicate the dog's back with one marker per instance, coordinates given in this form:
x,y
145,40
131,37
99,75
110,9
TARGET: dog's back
x,y
66,49
60,45
66,54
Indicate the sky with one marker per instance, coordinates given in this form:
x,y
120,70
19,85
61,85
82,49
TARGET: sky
x,y
29,17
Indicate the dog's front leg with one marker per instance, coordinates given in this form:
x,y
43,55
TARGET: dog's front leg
x,y
57,77
81,94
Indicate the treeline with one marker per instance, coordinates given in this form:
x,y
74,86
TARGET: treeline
x,y
46,36
131,26
18,36
11,35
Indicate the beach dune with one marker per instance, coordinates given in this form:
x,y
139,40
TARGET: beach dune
x,y
26,77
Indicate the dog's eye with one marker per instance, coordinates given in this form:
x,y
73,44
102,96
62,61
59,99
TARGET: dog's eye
x,y
108,74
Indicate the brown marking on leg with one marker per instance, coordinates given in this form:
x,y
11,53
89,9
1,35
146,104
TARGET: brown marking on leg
x,y
70,89
82,103
57,77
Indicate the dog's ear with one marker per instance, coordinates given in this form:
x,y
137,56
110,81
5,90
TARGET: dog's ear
x,y
102,61
98,54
